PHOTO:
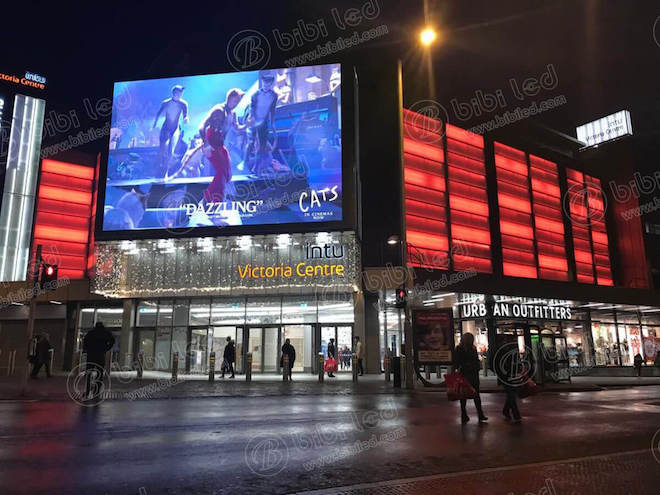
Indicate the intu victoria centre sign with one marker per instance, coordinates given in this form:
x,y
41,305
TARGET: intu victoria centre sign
x,y
332,265
227,265
515,310
605,129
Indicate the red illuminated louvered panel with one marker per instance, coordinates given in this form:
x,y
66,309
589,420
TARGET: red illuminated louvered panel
x,y
589,228
62,221
516,227
600,243
424,190
548,219
580,226
468,201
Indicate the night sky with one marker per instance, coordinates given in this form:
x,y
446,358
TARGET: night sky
x,y
603,52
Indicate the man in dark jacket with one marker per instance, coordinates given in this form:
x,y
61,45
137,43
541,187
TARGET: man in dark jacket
x,y
42,356
96,343
288,350
229,357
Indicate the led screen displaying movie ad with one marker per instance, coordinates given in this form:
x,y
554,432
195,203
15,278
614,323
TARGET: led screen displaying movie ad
x,y
226,150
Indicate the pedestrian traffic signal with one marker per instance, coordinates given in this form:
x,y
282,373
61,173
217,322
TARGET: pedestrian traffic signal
x,y
48,276
401,297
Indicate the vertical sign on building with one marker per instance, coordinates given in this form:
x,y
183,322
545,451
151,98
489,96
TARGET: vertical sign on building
x,y
20,182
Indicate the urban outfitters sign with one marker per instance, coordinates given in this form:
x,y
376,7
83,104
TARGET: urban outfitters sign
x,y
515,310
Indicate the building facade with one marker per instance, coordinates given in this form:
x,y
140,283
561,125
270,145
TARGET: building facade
x,y
520,236
516,232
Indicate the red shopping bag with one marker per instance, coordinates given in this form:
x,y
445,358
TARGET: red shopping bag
x,y
458,387
330,365
529,387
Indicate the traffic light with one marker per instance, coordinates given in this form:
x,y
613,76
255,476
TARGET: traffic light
x,y
48,275
400,297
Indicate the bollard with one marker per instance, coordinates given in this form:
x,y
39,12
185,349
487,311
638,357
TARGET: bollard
x,y
212,367
140,365
438,371
427,371
51,359
396,371
248,367
321,370
11,364
387,365
354,362
285,368
403,368
175,366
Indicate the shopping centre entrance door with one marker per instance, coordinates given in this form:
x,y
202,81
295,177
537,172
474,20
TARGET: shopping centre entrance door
x,y
265,343
343,335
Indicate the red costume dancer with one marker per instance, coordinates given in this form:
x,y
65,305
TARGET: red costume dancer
x,y
213,131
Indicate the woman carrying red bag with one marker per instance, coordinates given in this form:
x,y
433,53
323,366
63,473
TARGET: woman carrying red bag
x,y
466,361
331,364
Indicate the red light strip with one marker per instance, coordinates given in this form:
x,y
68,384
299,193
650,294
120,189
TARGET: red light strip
x,y
548,219
589,229
468,200
516,225
67,169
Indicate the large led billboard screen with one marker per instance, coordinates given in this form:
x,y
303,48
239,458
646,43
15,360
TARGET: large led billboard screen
x,y
234,150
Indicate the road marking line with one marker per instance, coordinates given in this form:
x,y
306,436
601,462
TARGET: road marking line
x,y
329,491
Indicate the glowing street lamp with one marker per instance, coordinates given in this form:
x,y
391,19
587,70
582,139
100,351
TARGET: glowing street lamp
x,y
428,36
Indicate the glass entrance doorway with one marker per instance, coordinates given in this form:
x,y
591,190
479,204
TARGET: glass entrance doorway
x,y
550,353
265,343
204,340
343,335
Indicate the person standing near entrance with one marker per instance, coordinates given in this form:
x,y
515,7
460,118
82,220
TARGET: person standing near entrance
x,y
638,361
466,361
42,356
359,354
96,343
290,351
332,354
228,358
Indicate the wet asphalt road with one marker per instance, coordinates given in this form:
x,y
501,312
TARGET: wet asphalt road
x,y
296,443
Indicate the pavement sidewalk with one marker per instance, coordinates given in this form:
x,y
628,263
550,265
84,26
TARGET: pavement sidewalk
x,y
159,385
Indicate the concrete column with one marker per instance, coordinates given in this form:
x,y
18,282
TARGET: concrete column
x,y
126,339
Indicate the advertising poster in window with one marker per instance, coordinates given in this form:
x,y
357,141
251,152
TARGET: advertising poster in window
x,y
433,336
225,150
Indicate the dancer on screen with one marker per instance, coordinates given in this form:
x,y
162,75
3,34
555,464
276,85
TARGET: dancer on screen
x,y
172,108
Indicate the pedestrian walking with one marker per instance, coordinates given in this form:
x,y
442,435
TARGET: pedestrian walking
x,y
41,356
332,354
466,362
96,343
509,370
638,361
288,350
229,358
359,353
